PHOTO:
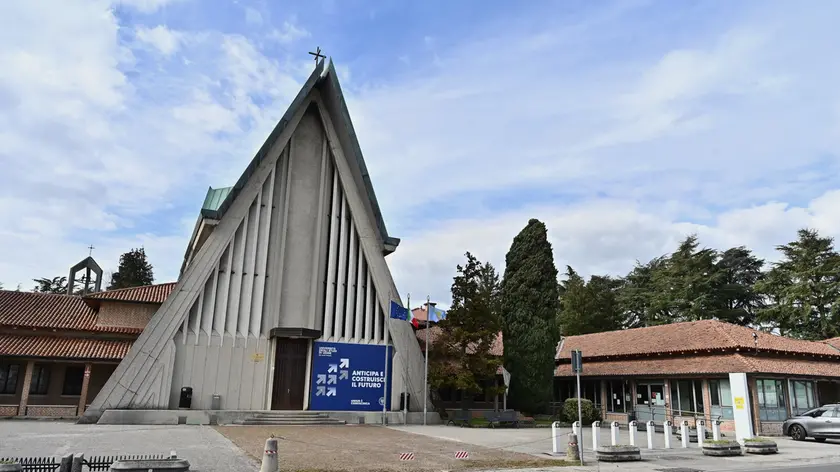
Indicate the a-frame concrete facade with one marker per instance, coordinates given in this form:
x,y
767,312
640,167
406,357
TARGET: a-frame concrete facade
x,y
295,250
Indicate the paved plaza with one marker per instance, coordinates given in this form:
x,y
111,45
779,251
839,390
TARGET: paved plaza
x,y
203,447
538,442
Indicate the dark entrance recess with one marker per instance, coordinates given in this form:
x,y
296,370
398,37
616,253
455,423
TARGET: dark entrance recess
x,y
289,374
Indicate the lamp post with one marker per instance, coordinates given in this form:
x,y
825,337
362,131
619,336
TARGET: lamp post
x,y
429,307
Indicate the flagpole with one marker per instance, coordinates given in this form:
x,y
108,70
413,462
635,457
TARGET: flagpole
x,y
385,386
405,373
426,375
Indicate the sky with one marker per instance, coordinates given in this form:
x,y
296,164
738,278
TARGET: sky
x,y
624,125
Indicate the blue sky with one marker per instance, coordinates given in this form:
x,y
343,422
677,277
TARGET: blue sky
x,y
623,125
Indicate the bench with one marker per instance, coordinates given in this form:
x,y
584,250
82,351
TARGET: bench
x,y
460,418
502,418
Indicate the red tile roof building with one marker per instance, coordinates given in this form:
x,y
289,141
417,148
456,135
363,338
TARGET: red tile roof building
x,y
681,371
57,351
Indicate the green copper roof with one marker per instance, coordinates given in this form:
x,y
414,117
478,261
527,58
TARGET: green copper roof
x,y
214,198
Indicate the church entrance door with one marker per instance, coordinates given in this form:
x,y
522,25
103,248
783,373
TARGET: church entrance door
x,y
289,374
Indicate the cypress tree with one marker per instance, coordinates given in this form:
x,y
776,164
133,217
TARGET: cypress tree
x,y
530,303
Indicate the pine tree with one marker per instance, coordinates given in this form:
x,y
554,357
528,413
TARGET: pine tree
x,y
54,285
461,356
530,302
803,289
134,271
588,307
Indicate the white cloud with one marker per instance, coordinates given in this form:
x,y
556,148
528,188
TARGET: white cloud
x,y
161,38
146,6
599,237
288,33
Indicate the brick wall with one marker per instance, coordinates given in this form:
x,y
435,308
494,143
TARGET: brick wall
x,y
129,315
51,410
8,410
622,418
770,428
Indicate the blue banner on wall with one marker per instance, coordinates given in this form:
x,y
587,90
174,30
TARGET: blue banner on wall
x,y
349,377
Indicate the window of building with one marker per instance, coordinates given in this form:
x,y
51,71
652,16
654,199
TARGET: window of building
x,y
9,378
592,391
618,396
721,399
771,400
74,376
687,397
40,380
802,396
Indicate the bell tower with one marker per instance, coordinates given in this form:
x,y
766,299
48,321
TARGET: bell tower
x,y
89,266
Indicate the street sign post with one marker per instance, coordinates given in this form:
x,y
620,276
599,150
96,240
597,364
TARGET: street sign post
x,y
577,368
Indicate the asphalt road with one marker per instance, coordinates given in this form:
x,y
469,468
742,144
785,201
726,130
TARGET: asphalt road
x,y
804,468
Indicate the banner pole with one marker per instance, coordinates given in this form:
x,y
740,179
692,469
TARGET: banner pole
x,y
405,373
385,386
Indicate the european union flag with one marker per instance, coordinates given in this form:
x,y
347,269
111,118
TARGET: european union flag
x,y
398,312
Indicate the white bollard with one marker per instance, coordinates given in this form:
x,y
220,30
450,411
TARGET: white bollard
x,y
716,430
269,461
555,438
576,428
614,433
632,427
684,433
667,426
596,429
701,433
651,427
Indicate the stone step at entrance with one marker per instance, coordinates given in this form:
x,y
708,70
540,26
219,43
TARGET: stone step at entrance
x,y
290,418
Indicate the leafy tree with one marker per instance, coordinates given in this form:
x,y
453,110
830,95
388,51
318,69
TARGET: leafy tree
x,y
804,288
134,271
530,302
739,300
53,285
686,287
588,307
636,297
461,356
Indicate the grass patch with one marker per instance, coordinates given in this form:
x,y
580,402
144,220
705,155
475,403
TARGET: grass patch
x,y
758,440
720,441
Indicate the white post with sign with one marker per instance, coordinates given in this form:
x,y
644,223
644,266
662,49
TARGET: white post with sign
x,y
741,406
577,368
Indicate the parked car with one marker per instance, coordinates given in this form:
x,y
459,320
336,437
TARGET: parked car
x,y
820,423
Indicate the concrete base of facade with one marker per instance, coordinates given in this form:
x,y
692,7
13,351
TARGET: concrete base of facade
x,y
231,417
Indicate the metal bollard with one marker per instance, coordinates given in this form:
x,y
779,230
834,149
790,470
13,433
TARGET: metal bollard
x,y
701,433
555,438
576,428
269,460
614,433
716,430
667,426
632,427
651,427
596,427
684,433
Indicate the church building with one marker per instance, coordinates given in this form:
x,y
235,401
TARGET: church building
x,y
282,302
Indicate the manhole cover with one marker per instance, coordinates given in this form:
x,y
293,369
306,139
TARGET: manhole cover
x,y
679,469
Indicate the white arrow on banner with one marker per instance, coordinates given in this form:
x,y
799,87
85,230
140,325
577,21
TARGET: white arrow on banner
x,y
345,363
332,368
331,392
342,375
320,391
322,378
331,380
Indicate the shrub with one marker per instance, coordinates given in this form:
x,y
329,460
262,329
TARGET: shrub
x,y
589,413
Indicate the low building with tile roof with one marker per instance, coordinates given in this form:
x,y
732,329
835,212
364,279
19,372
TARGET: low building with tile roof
x,y
680,371
57,350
